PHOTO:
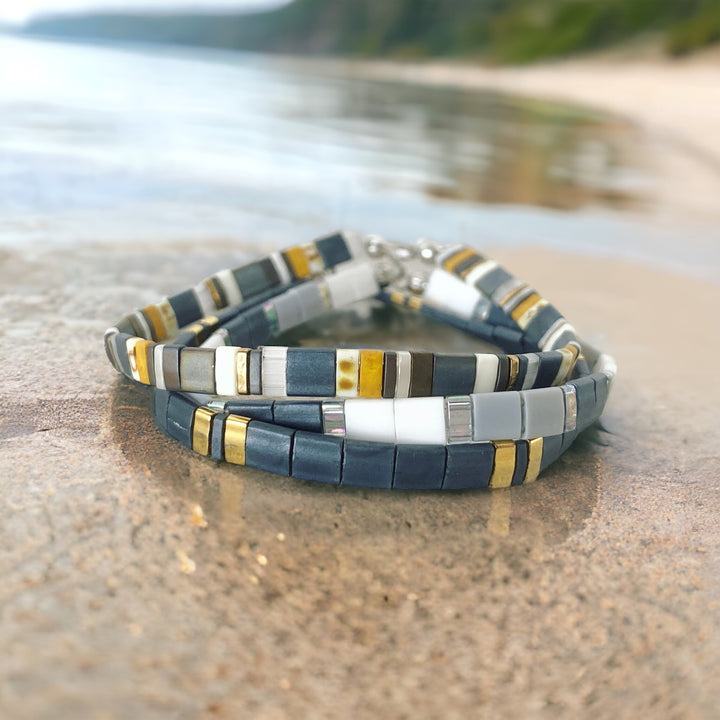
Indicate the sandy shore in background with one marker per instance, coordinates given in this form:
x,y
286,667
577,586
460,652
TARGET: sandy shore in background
x,y
681,98
676,102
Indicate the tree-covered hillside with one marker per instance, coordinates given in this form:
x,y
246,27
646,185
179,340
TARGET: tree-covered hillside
x,y
502,30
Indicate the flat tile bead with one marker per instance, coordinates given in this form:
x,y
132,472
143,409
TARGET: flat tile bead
x,y
171,366
347,372
453,374
420,421
186,307
486,372
552,449
255,372
521,462
180,412
497,416
317,457
368,464
299,414
217,445
548,369
469,466
372,420
274,365
421,374
419,467
404,373
197,370
269,447
371,373
226,371
543,412
257,409
333,249
311,371
389,375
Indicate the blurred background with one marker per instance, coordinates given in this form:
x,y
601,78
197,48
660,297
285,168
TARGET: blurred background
x,y
161,120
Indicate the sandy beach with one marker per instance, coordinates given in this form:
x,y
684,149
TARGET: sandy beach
x,y
593,592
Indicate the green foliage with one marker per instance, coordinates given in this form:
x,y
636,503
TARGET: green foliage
x,y
514,31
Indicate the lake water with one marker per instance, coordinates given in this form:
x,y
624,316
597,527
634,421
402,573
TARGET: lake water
x,y
146,145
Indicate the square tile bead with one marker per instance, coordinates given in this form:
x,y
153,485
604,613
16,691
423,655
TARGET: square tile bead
x,y
497,416
368,464
543,412
419,467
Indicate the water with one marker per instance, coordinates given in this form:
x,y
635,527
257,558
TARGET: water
x,y
111,144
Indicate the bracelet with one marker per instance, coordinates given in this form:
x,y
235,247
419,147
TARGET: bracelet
x,y
391,419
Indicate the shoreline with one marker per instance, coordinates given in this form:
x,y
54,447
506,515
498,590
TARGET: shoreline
x,y
680,98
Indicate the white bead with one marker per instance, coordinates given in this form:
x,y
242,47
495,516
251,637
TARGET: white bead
x,y
404,373
226,371
420,421
281,267
274,371
372,420
230,286
158,363
448,293
352,283
204,298
486,372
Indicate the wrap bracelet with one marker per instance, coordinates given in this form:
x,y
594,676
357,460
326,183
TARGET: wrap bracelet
x,y
366,417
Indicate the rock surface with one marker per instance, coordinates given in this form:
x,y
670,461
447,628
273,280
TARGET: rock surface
x,y
141,581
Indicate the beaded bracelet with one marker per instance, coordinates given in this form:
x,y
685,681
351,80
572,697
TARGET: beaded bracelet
x,y
381,419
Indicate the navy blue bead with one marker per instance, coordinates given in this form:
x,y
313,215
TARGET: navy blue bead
x,y
186,307
299,414
521,462
552,450
256,277
333,250
217,444
490,282
469,466
368,464
161,398
585,391
310,371
419,467
317,457
269,447
508,339
540,324
453,374
522,372
548,368
120,340
498,316
180,412
255,409
568,439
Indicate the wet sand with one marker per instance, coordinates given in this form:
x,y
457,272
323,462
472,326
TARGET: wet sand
x,y
141,581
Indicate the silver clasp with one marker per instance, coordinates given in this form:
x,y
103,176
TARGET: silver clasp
x,y
402,266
